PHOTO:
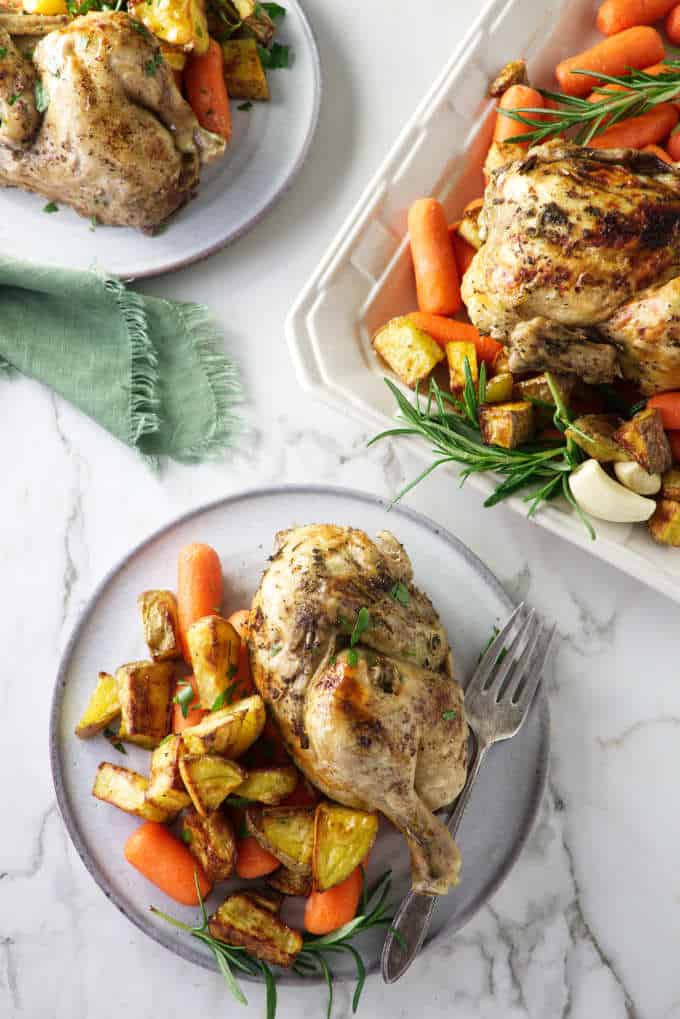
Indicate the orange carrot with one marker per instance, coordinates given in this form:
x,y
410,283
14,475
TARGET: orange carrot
x,y
656,150
673,26
206,90
668,405
326,911
243,680
199,587
635,132
674,441
618,15
447,330
194,715
515,98
673,146
433,261
168,864
636,47
252,860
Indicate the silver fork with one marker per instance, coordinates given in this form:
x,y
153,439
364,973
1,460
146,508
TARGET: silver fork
x,y
497,700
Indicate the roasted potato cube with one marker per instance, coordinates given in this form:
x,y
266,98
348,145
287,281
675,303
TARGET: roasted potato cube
x,y
506,424
342,838
664,524
499,388
243,70
211,841
229,731
501,363
289,883
468,227
145,694
126,790
514,73
537,390
646,441
670,484
214,648
209,779
286,832
242,921
269,899
161,628
102,708
268,785
595,433
181,23
166,789
457,353
410,353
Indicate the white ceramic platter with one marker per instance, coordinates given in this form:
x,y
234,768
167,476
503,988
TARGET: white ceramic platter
x,y
366,277
269,145
470,601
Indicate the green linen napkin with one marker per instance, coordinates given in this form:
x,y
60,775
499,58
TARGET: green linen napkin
x,y
150,371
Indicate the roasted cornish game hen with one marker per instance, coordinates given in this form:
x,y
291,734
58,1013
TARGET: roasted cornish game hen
x,y
106,130
380,726
578,270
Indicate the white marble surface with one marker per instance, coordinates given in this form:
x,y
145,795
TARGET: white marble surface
x,y
587,926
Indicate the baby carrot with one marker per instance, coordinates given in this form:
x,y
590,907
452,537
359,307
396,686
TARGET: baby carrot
x,y
252,860
206,90
433,260
447,330
674,441
636,47
194,715
168,864
515,98
199,587
326,911
668,405
617,15
673,146
673,26
656,150
635,132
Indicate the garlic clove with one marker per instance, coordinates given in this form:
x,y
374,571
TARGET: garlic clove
x,y
637,479
605,499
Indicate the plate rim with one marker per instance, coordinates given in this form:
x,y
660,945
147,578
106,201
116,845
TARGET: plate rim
x,y
169,940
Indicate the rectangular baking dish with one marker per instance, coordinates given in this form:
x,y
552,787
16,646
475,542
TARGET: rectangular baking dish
x,y
366,276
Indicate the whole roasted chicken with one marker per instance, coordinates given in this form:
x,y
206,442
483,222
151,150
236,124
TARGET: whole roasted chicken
x,y
579,265
379,725
94,119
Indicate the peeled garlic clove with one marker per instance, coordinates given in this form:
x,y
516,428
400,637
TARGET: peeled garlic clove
x,y
637,478
603,498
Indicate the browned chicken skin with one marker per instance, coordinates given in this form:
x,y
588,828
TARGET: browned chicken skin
x,y
586,239
387,733
117,140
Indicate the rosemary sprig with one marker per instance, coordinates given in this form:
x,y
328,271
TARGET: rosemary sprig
x,y
641,93
313,960
455,438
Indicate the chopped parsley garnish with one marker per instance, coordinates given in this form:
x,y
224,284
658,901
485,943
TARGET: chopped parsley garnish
x,y
449,715
3,52
494,634
13,98
226,697
112,737
139,28
243,832
42,99
274,11
184,697
238,801
51,207
151,66
94,222
231,671
275,650
332,660
276,57
362,623
187,836
352,658
400,593
245,106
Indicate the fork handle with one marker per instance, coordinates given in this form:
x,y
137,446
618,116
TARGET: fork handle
x,y
412,920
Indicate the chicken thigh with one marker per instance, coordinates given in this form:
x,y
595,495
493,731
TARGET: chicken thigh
x,y
378,726
94,119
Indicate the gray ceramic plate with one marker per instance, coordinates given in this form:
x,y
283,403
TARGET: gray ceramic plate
x,y
269,145
470,601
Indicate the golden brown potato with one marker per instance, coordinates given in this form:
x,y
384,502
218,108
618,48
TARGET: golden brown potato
x,y
664,525
646,441
211,841
506,424
209,779
538,390
269,899
268,785
166,788
289,883
514,73
342,838
243,70
457,353
181,23
242,921
670,484
286,832
594,433
229,731
214,648
145,694
410,353
126,790
499,388
468,227
161,628
102,708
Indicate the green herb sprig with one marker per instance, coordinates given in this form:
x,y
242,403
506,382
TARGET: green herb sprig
x,y
642,92
314,958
